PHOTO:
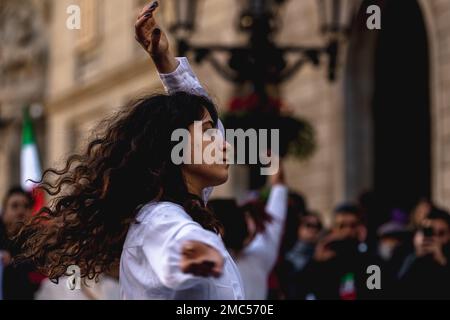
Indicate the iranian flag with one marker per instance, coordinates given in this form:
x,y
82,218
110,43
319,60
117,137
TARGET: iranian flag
x,y
30,168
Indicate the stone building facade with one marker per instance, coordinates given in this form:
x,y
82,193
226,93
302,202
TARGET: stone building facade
x,y
96,70
23,68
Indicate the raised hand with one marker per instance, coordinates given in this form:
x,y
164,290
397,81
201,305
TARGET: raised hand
x,y
323,252
429,246
278,177
150,36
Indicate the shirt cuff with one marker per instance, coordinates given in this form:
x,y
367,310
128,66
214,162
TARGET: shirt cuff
x,y
181,78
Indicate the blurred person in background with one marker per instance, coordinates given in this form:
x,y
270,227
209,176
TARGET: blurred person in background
x,y
20,281
338,269
297,207
252,233
425,273
392,248
370,208
296,282
394,237
419,213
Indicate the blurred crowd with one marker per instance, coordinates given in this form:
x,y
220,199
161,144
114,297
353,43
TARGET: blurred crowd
x,y
21,281
290,255
410,251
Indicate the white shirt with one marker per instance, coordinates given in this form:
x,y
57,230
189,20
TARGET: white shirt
x,y
150,261
258,259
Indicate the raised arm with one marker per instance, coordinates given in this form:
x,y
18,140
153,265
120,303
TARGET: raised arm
x,y
154,41
265,246
175,73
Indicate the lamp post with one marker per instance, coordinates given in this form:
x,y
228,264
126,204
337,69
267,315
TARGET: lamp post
x,y
261,60
185,14
336,17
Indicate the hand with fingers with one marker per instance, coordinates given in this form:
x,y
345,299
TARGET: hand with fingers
x,y
278,177
323,252
425,246
201,260
150,36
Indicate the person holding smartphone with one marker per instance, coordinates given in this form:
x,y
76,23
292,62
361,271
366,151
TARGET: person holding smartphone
x,y
21,281
425,273
338,268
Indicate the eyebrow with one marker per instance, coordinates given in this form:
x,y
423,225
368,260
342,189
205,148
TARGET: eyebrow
x,y
208,122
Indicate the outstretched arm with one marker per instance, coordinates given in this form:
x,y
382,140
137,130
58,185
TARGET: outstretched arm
x,y
180,251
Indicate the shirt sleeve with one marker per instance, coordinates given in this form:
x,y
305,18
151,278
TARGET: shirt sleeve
x,y
265,245
183,79
163,243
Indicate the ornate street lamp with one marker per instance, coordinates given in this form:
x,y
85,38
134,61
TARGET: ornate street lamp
x,y
336,16
185,14
261,60
265,64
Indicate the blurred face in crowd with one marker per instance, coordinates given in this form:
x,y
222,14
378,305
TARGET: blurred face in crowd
x,y
309,229
441,232
420,212
387,246
17,209
346,225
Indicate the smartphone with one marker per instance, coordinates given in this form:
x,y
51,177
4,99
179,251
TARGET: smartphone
x,y
343,246
427,232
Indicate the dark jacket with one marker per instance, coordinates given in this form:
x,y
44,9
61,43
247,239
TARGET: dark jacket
x,y
423,278
20,282
343,277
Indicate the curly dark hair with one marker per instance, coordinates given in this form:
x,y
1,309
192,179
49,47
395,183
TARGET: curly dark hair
x,y
99,192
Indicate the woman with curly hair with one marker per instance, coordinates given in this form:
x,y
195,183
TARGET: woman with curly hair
x,y
125,201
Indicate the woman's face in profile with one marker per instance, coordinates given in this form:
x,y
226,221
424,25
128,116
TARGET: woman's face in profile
x,y
208,150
